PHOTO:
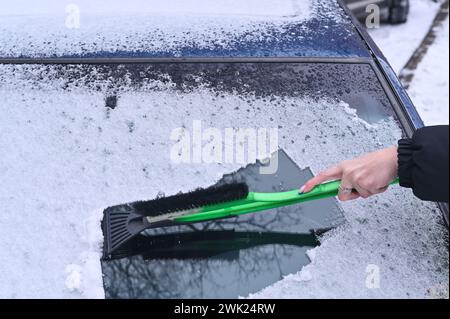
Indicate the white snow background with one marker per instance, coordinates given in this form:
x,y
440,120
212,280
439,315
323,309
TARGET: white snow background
x,y
429,89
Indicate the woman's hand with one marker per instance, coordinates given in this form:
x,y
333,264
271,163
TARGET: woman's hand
x,y
366,175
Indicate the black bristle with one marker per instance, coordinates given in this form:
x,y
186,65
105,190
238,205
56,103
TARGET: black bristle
x,y
121,223
195,199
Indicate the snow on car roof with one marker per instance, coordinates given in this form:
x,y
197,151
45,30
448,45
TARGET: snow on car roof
x,y
265,8
171,28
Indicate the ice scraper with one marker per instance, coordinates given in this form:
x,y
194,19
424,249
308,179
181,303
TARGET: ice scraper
x,y
123,222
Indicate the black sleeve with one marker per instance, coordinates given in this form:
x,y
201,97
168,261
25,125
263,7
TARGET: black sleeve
x,y
423,163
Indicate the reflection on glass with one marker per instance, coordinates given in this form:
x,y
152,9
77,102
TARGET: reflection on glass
x,y
225,258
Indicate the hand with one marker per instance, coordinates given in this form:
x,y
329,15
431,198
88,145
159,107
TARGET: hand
x,y
367,175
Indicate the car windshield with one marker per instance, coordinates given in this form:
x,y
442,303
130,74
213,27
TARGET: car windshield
x,y
79,138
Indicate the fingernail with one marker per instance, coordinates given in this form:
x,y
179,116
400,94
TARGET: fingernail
x,y
301,189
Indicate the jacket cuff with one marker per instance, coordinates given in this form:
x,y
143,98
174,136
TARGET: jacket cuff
x,y
405,162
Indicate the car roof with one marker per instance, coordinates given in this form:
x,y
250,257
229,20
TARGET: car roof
x,y
316,29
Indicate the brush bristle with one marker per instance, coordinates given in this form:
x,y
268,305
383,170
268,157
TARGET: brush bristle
x,y
195,199
121,223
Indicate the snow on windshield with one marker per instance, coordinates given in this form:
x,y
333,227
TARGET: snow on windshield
x,y
86,27
66,157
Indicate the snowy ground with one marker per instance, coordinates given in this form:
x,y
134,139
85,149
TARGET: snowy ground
x,y
430,86
398,42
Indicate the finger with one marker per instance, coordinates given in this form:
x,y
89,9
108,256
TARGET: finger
x,y
345,188
380,190
351,196
331,173
364,193
345,191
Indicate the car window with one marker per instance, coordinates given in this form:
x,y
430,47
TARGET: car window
x,y
93,136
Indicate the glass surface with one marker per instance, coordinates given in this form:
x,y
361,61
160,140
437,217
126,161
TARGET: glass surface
x,y
224,258
76,139
231,258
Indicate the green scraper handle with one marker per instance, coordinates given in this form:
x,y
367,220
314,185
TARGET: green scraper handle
x,y
263,201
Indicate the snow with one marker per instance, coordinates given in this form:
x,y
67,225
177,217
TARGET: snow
x,y
73,280
83,276
106,26
429,88
398,42
174,8
368,238
65,157
378,233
